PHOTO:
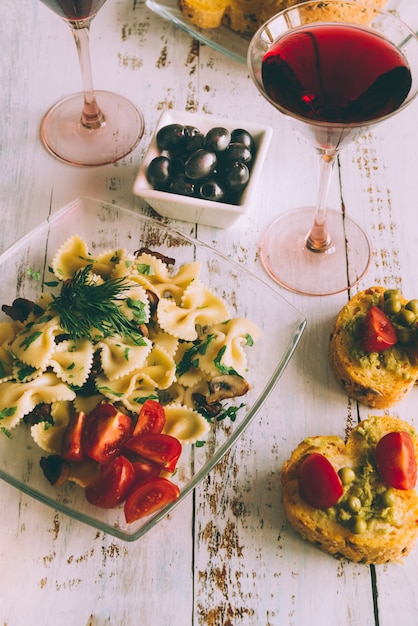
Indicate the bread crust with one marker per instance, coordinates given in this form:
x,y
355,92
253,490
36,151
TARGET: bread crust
x,y
378,380
385,540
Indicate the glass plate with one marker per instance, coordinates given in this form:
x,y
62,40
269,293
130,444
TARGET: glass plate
x,y
103,227
235,45
222,39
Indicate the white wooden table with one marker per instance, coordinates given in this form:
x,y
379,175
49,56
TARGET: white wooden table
x,y
226,556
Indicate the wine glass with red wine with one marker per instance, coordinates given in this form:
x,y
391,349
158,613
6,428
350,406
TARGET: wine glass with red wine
x,y
92,127
335,68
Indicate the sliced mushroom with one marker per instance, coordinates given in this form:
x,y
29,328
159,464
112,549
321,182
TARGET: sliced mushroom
x,y
20,309
202,403
158,255
153,300
226,386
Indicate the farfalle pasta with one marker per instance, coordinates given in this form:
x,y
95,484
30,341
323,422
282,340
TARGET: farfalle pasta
x,y
163,334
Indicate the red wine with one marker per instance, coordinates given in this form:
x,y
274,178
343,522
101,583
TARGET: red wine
x,y
74,9
336,73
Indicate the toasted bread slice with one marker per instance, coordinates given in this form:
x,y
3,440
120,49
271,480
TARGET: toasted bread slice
x,y
390,526
378,379
245,16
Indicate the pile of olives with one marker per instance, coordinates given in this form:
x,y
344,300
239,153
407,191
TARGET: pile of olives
x,y
403,316
215,166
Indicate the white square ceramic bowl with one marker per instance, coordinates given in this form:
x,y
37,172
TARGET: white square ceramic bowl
x,y
196,210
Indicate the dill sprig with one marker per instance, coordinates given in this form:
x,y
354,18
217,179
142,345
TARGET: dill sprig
x,y
88,309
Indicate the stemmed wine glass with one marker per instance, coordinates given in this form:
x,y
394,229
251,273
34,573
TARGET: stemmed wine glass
x,y
89,128
335,68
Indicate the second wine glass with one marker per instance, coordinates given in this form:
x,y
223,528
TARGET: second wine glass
x,y
335,68
93,127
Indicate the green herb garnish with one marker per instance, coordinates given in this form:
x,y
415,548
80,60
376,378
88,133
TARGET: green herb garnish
x,y
89,309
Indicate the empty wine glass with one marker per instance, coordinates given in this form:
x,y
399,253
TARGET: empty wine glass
x,y
335,68
89,128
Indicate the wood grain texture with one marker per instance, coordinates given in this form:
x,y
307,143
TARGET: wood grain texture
x,y
226,556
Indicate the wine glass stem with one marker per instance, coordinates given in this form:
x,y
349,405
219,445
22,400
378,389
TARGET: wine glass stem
x,y
318,239
91,115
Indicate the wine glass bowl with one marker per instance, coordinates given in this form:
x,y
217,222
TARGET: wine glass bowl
x,y
92,127
334,69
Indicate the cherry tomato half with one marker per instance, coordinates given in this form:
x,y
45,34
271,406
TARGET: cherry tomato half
x,y
149,496
162,449
105,432
151,418
396,461
378,331
319,484
71,447
112,484
145,469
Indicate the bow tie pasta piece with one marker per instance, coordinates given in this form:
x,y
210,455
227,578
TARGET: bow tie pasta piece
x,y
199,306
155,276
159,369
147,270
35,344
163,339
72,361
227,349
135,400
49,436
121,356
74,256
184,423
19,399
71,257
107,262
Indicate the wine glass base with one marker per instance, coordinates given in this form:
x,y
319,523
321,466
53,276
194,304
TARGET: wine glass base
x,y
67,139
291,264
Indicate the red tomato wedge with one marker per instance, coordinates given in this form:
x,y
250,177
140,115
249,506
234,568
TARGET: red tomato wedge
x,y
151,418
149,496
105,432
378,331
112,485
145,469
319,484
159,448
396,461
71,447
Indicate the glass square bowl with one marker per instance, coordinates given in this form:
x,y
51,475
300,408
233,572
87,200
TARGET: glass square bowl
x,y
25,273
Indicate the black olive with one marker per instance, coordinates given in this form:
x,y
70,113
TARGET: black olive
x,y
212,189
176,165
237,152
193,143
200,164
171,137
217,139
236,176
181,185
191,131
158,172
240,135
